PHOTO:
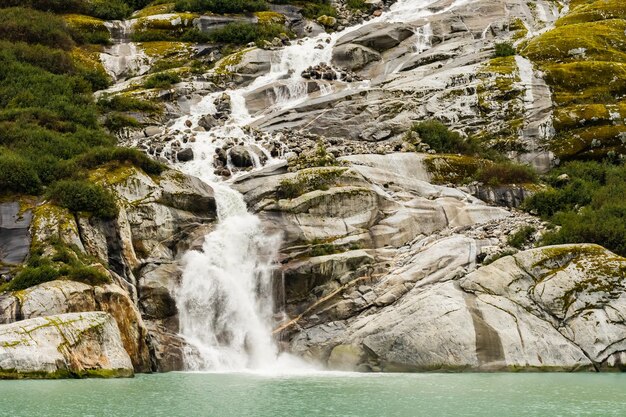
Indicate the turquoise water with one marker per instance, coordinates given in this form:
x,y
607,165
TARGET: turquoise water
x,y
184,394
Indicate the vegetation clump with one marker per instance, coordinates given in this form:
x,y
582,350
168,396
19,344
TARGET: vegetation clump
x,y
162,80
504,49
320,157
441,139
221,6
308,180
245,33
476,163
586,201
521,237
82,196
65,262
506,172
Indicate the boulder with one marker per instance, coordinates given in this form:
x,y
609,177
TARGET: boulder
x,y
61,297
354,57
378,36
185,155
240,157
63,346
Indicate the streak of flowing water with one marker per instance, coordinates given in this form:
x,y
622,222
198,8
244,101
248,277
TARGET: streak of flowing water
x,y
225,299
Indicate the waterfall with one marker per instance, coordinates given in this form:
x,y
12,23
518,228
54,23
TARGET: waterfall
x,y
225,299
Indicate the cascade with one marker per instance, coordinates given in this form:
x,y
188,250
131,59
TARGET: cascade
x,y
225,299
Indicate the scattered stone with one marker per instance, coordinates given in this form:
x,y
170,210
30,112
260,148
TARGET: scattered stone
x,y
185,155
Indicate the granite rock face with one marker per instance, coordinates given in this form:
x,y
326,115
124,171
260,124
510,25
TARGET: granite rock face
x,y
61,346
382,272
549,309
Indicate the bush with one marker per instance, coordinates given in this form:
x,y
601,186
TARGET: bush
x,y
357,5
221,6
502,173
244,33
504,49
99,156
53,60
87,275
440,138
589,207
122,103
17,175
31,276
81,196
315,10
118,122
162,80
87,30
521,237
23,25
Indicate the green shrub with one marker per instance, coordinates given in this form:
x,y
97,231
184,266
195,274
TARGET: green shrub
x,y
31,276
221,6
440,138
82,196
162,80
244,33
87,275
118,122
504,49
357,5
502,173
23,25
122,103
53,60
315,10
17,175
521,237
100,156
589,207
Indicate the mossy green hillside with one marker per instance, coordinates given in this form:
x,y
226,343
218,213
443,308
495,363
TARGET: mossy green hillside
x,y
584,59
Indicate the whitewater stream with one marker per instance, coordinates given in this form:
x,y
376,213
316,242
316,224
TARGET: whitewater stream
x,y
225,299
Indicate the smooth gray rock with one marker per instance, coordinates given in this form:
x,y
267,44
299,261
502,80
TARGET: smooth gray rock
x,y
14,235
66,345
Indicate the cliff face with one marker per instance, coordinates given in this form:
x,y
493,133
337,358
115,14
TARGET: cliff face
x,y
385,263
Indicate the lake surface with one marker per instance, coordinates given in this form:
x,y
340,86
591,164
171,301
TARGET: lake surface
x,y
331,394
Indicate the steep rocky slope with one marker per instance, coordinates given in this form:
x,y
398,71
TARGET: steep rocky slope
x,y
385,264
